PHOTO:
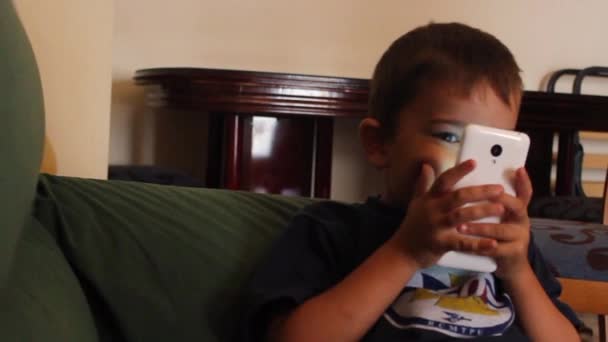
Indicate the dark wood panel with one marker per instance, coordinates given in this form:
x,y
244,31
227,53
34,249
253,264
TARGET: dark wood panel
x,y
564,112
215,141
233,151
277,155
539,160
323,157
564,183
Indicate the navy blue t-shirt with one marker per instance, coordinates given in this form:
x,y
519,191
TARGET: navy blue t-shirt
x,y
328,240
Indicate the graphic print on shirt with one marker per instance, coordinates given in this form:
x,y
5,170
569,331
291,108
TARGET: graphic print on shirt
x,y
453,302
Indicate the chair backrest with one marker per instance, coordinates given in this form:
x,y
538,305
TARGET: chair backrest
x,y
570,150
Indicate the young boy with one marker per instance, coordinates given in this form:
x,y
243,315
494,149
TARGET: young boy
x,y
367,272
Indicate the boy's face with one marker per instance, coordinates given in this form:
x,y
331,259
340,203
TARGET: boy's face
x,y
429,131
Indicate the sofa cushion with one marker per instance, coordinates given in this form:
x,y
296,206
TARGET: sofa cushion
x,y
167,263
43,300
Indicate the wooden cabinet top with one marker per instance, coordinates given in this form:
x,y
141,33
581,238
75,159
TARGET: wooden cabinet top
x,y
293,94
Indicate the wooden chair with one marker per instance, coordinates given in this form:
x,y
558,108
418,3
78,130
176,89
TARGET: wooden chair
x,y
587,297
590,296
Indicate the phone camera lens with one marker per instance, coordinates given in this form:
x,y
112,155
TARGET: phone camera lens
x,y
496,150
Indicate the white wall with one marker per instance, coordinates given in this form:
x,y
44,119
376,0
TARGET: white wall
x,y
340,37
72,41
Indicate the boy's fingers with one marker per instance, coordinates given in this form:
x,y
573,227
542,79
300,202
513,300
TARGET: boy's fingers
x,y
470,194
473,213
514,205
499,232
505,250
448,179
425,179
523,185
461,243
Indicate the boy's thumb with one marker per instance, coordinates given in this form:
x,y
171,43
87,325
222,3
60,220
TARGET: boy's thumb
x,y
425,180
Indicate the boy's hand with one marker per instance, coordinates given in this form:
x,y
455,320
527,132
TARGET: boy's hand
x,y
429,228
513,234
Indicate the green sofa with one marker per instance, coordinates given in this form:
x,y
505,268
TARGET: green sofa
x,y
90,260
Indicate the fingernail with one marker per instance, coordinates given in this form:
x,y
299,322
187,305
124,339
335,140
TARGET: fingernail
x,y
492,244
500,208
463,228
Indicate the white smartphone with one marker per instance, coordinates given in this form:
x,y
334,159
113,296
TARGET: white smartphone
x,y
498,153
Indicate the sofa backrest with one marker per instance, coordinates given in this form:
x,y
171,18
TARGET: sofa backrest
x,y
21,132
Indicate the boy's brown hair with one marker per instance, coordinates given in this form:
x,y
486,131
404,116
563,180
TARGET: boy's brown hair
x,y
453,53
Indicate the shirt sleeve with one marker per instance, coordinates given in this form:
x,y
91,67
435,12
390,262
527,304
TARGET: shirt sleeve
x,y
552,286
301,264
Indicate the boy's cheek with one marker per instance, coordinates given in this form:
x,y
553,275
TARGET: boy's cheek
x,y
440,160
446,159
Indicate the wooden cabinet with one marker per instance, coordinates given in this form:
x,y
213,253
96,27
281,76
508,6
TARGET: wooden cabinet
x,y
268,132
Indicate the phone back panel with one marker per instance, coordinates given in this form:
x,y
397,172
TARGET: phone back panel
x,y
478,142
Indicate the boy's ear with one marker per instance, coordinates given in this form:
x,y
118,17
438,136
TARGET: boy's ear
x,y
374,143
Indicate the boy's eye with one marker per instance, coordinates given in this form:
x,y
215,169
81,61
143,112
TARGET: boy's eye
x,y
447,137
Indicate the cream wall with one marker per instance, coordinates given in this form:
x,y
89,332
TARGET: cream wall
x,y
72,41
341,38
